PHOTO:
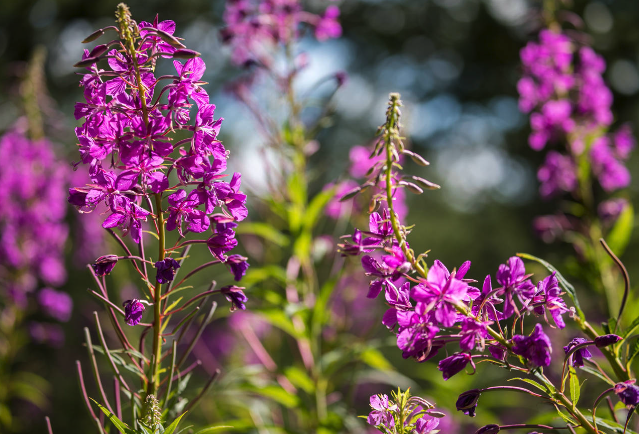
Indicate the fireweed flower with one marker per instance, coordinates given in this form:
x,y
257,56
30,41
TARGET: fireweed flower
x,y
454,364
416,414
104,264
548,299
236,296
56,304
166,270
381,413
467,402
514,281
441,292
536,347
133,310
576,359
238,265
628,393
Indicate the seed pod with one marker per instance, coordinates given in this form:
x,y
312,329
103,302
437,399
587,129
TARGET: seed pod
x,y
93,36
437,414
425,183
412,187
366,185
98,50
185,53
169,39
87,62
351,194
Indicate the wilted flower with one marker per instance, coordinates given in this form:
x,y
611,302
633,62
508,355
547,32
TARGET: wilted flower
x,y
576,359
133,310
166,270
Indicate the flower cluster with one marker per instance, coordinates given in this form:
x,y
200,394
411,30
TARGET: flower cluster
x,y
255,26
125,143
403,413
563,89
33,232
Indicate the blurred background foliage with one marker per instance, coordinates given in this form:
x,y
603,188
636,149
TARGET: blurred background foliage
x,y
456,63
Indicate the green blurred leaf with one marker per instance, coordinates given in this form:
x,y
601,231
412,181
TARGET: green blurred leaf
x,y
279,319
614,426
169,429
317,205
213,429
631,329
277,394
575,387
300,379
634,351
260,274
375,359
320,311
265,231
597,374
562,281
303,244
619,236
121,426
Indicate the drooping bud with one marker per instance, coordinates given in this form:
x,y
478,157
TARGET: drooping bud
x,y
104,264
418,159
133,310
351,194
413,188
93,36
467,402
426,183
86,62
488,429
185,53
98,50
605,340
169,39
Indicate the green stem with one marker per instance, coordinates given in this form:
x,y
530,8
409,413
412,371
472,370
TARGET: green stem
x,y
157,305
574,411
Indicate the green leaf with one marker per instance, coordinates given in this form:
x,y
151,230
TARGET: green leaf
x,y
121,426
575,387
619,236
279,319
375,359
169,429
300,379
263,230
260,274
277,394
614,426
172,305
531,382
631,329
303,243
570,290
317,205
213,428
634,351
320,310
566,418
597,374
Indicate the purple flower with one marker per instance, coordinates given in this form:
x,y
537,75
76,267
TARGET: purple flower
x,y
441,293
358,244
536,347
104,264
336,209
415,335
382,412
610,171
56,304
133,310
238,265
610,210
628,393
624,141
514,280
454,364
328,27
576,359
236,296
426,424
489,429
223,240
557,175
548,298
467,402
165,270
472,331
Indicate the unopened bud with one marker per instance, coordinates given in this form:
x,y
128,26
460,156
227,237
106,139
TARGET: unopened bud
x,y
185,53
87,62
437,414
98,50
418,159
605,340
412,187
351,194
93,36
425,183
373,205
169,39
488,429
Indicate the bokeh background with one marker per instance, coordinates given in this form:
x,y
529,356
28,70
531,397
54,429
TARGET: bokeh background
x,y
456,64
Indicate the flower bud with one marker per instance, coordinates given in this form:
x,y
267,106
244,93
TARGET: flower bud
x,y
133,310
93,36
373,205
169,39
418,159
98,50
413,188
351,194
185,53
437,414
104,264
488,429
86,62
426,183
605,340
467,402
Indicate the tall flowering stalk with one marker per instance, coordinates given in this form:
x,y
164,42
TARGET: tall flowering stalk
x,y
293,276
432,308
570,115
153,166
33,235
